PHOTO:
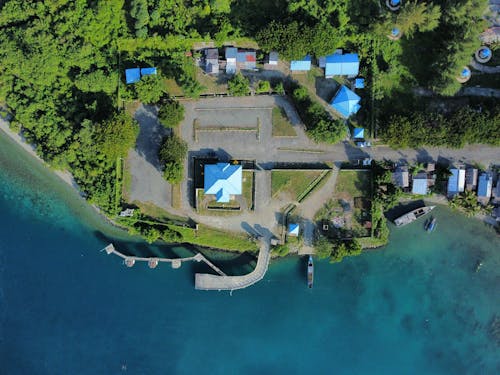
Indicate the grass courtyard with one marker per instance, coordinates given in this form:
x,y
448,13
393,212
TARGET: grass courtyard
x,y
281,125
293,184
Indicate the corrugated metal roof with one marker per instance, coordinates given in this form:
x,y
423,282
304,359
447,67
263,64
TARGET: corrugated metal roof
x,y
484,185
419,185
342,65
301,65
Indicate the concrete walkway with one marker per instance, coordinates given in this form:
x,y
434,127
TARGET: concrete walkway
x,y
205,281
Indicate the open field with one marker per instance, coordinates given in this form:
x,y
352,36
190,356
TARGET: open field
x,y
354,183
247,188
292,184
281,125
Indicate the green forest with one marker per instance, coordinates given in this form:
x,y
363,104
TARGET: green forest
x,y
62,65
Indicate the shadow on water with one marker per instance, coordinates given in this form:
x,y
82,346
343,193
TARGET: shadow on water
x,y
401,209
231,263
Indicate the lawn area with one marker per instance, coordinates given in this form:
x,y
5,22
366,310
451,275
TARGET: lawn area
x,y
126,181
173,89
292,183
248,177
211,82
281,126
354,183
214,238
156,212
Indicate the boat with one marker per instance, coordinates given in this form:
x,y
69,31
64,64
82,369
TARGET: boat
x,y
431,224
310,272
413,215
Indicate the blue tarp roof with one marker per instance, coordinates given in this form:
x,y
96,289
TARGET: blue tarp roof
x,y
419,186
223,180
359,83
293,229
304,64
484,185
132,75
358,133
342,65
346,102
148,71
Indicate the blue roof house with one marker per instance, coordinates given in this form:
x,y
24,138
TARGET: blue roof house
x,y
456,182
132,75
293,230
342,65
223,180
484,187
358,133
301,65
345,102
148,71
420,184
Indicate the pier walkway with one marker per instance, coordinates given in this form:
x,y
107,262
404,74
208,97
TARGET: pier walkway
x,y
129,261
204,281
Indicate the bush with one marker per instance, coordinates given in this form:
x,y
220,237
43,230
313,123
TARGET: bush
x,y
279,88
238,85
172,154
263,87
322,247
281,250
150,89
171,114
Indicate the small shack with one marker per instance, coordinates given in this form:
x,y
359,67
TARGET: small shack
x,y
484,187
273,58
471,178
293,230
132,75
456,182
401,177
358,133
420,184
212,60
302,65
246,60
231,55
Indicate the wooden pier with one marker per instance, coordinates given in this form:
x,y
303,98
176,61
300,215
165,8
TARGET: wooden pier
x,y
153,262
204,281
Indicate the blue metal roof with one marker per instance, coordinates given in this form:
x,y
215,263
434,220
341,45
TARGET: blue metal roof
x,y
223,180
132,75
484,185
304,64
456,182
148,71
346,102
358,133
419,186
342,65
359,83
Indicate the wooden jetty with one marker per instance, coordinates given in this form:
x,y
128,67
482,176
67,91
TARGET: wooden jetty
x,y
205,281
153,262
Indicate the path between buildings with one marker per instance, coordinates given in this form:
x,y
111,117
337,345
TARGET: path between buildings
x,y
310,206
485,68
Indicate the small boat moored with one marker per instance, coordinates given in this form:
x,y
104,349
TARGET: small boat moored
x,y
431,224
310,272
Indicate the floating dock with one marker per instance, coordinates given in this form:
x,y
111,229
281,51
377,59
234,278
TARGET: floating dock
x,y
153,262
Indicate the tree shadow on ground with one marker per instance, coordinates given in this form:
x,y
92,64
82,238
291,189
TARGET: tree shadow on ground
x,y
151,134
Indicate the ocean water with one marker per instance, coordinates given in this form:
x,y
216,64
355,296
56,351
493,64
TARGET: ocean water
x,y
417,306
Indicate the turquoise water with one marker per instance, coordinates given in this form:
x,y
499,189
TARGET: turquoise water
x,y
416,307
